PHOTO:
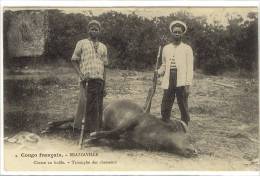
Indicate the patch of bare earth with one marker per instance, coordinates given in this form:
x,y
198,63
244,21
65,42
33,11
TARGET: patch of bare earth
x,y
224,117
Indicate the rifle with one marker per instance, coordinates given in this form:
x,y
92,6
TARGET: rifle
x,y
82,112
82,132
151,91
83,86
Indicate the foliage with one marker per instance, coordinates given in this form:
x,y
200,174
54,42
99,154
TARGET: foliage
x,y
6,23
133,40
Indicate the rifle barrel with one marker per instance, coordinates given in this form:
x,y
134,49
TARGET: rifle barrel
x,y
153,88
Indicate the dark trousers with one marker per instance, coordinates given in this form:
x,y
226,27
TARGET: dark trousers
x,y
169,96
94,106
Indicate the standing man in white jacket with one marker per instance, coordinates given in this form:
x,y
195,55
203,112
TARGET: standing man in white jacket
x,y
177,71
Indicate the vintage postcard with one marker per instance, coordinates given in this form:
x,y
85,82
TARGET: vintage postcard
x,y
124,89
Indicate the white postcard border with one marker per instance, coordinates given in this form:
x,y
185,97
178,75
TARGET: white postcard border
x,y
105,3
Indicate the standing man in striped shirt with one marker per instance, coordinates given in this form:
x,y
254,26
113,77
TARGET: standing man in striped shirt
x,y
177,71
89,60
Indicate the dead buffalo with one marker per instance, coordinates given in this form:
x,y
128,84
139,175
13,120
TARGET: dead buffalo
x,y
125,119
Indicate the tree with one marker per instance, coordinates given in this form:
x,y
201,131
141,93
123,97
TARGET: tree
x,y
133,40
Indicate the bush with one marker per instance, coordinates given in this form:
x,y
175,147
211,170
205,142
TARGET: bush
x,y
133,41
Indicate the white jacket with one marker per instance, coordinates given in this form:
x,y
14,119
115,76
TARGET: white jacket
x,y
183,56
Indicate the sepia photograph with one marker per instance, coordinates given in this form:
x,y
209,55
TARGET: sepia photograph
x,y
159,88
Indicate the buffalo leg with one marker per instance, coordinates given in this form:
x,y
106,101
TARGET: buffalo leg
x,y
115,132
55,124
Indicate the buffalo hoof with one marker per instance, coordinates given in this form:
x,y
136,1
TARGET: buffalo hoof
x,y
190,153
93,134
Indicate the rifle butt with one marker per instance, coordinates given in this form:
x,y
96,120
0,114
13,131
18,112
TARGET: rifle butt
x,y
82,133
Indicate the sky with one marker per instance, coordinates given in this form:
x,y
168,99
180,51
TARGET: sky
x,y
211,13
216,13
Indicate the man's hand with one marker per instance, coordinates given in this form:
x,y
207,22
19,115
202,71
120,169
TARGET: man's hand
x,y
157,73
76,67
81,76
187,89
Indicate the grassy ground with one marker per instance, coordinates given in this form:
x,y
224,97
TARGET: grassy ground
x,y
224,114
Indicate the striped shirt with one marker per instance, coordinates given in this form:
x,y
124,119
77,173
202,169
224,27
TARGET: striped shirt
x,y
172,59
91,57
172,63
